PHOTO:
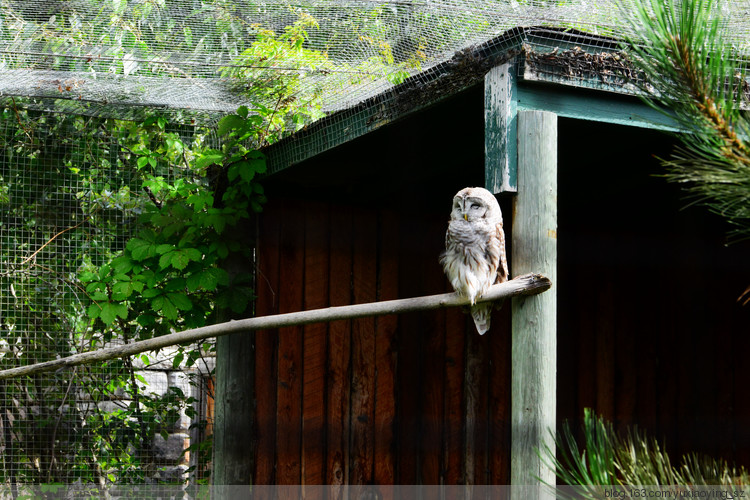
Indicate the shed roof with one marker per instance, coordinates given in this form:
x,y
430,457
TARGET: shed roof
x,y
571,72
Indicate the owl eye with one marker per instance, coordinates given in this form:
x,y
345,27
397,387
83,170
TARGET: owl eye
x,y
475,206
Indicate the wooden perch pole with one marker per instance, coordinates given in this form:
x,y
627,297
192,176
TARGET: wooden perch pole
x,y
530,284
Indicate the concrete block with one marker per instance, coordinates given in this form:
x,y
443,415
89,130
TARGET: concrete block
x,y
180,380
170,450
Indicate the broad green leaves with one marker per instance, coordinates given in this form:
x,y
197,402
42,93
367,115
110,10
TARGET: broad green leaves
x,y
169,275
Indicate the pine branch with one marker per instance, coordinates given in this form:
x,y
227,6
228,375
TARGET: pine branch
x,y
689,69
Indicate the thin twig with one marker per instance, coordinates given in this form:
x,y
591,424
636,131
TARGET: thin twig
x,y
27,259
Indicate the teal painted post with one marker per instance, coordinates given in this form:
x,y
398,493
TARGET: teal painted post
x,y
534,330
500,118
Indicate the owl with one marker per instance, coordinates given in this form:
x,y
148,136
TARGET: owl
x,y
474,257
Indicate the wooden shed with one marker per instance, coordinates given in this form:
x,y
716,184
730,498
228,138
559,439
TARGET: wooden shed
x,y
649,330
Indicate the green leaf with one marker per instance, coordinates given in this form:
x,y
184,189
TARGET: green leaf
x,y
150,293
194,282
173,228
243,111
193,254
146,319
236,298
164,248
111,311
180,301
104,272
257,160
221,276
209,158
207,279
158,303
234,170
177,360
165,260
142,161
87,276
230,123
93,311
221,249
168,310
217,221
200,200
140,249
175,284
121,290
122,264
179,260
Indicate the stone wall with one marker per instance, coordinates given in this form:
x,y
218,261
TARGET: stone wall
x,y
155,380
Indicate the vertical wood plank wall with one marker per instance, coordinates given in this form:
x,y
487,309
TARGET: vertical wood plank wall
x,y
670,357
393,400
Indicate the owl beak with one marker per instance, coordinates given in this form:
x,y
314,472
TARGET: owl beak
x,y
466,217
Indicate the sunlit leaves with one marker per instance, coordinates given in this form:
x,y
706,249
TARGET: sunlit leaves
x,y
169,275
141,249
108,312
170,304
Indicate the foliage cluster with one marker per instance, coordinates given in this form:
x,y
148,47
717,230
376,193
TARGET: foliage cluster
x,y
95,282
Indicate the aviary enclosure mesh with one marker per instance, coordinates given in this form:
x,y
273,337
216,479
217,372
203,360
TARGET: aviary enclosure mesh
x,y
65,67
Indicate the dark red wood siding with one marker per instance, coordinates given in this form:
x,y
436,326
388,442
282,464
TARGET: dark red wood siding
x,y
649,330
411,399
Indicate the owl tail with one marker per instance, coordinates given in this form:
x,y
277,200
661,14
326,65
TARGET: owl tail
x,y
482,314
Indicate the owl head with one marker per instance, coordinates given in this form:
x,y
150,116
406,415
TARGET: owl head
x,y
473,204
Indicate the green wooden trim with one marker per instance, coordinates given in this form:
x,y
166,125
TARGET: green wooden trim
x,y
607,107
500,123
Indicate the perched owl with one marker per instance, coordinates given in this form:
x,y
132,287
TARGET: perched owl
x,y
474,257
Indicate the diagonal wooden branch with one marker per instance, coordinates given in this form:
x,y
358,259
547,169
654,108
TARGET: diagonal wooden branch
x,y
530,284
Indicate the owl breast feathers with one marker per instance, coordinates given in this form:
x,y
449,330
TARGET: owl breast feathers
x,y
474,257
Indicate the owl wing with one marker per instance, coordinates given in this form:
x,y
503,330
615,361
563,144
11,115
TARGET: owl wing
x,y
502,268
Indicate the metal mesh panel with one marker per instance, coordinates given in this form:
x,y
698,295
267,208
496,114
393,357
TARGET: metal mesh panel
x,y
186,54
68,201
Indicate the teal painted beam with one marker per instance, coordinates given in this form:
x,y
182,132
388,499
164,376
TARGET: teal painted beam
x,y
500,123
581,104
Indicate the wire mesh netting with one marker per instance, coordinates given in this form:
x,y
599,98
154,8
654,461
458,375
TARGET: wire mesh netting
x,y
188,55
69,195
68,204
